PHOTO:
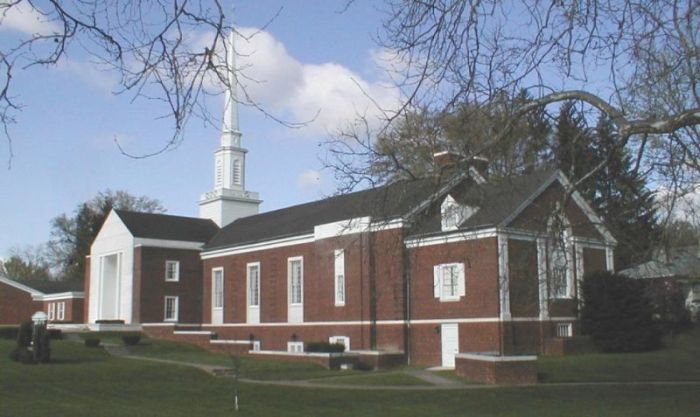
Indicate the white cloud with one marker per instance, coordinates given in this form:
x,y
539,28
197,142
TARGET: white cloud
x,y
681,207
90,73
328,95
310,179
24,18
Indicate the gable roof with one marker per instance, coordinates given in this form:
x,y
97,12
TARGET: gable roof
x,y
682,262
499,201
35,287
167,227
503,199
383,203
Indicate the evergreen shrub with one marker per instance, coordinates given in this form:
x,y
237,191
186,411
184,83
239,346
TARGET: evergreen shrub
x,y
618,314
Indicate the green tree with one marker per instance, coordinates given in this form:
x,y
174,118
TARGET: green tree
x,y
406,150
599,165
623,200
618,314
20,269
71,236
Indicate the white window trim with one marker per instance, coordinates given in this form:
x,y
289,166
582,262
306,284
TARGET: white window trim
x,y
339,269
563,330
61,310
248,286
295,347
213,293
52,311
344,340
177,270
176,308
438,289
289,280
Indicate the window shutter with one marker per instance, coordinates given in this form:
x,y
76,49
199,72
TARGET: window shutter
x,y
461,280
437,281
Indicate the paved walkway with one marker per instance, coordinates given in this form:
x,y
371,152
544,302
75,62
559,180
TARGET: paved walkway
x,y
437,382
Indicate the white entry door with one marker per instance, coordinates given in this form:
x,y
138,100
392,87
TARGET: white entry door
x,y
217,296
450,344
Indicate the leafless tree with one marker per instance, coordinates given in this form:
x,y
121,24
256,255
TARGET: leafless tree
x,y
170,52
638,63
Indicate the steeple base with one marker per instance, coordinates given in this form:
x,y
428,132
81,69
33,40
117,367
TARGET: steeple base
x,y
223,206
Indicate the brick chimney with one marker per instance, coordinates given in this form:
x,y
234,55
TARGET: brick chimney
x,y
447,162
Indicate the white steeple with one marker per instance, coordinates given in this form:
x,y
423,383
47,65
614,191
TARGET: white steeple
x,y
230,133
229,199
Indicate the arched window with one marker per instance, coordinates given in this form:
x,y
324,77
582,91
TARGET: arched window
x,y
560,260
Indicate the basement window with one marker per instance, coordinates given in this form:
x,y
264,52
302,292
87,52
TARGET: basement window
x,y
295,347
563,330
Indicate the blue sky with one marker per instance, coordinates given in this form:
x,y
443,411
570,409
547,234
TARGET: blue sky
x,y
309,59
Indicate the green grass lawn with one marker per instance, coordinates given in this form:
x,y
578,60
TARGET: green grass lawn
x,y
87,382
377,379
253,368
680,361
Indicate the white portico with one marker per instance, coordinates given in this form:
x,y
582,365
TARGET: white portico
x,y
229,200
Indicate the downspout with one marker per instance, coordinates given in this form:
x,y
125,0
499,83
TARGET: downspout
x,y
406,263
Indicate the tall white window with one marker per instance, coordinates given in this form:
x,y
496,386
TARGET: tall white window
x,y
61,311
254,284
560,259
295,271
449,281
52,311
171,307
339,277
218,288
172,270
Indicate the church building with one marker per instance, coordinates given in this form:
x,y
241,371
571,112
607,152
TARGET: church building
x,y
433,270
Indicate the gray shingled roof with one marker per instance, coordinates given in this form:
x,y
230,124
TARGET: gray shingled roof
x,y
497,201
385,202
52,287
682,263
501,199
167,227
48,287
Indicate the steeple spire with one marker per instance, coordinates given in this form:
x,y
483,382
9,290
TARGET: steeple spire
x,y
229,199
230,132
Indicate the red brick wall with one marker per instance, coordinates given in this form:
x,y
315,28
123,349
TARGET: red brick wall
x,y
481,275
426,341
73,310
276,337
150,286
516,372
379,254
16,305
523,278
594,260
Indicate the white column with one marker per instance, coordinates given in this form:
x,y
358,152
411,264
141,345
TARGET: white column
x,y
503,279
